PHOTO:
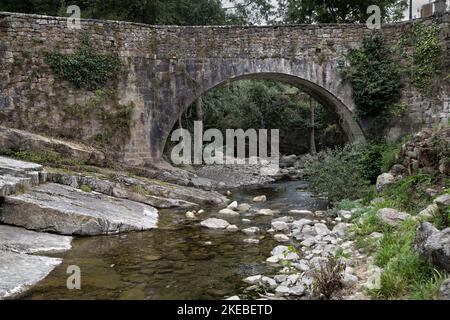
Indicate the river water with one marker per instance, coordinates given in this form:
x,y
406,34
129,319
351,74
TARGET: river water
x,y
180,259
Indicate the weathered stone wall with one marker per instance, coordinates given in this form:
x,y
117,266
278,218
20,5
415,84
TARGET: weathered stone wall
x,y
166,68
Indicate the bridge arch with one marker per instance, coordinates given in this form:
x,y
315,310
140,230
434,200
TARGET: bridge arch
x,y
348,121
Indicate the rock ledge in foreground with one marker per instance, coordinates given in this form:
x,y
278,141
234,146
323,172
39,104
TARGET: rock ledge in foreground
x,y
65,210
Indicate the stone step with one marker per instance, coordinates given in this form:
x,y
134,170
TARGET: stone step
x,y
65,210
19,271
21,240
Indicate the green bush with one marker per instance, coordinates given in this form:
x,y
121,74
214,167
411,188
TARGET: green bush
x,y
409,194
338,174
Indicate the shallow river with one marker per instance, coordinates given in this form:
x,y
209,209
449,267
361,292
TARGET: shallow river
x,y
175,261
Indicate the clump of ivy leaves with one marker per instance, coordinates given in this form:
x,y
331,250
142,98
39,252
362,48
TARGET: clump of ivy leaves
x,y
423,63
86,69
375,77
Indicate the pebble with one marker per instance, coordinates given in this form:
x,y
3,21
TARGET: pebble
x,y
266,212
190,215
229,212
251,230
233,205
260,199
232,228
251,241
243,207
281,237
282,290
279,225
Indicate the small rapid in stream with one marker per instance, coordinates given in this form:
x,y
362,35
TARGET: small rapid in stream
x,y
180,259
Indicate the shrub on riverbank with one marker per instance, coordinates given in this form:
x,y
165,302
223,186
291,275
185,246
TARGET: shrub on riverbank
x,y
350,172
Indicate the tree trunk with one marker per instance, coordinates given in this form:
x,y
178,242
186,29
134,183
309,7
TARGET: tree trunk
x,y
410,10
312,136
199,109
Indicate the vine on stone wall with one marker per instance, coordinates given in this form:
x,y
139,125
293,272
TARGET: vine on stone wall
x,y
85,69
375,78
423,63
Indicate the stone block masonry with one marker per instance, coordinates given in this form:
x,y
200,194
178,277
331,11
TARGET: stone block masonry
x,y
166,68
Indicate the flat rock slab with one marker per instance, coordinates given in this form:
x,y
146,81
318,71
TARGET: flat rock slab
x,y
66,210
21,240
8,165
20,271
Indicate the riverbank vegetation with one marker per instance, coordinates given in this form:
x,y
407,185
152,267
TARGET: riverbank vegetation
x,y
346,177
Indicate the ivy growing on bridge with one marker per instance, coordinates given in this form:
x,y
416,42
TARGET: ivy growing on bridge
x,y
424,61
85,69
375,78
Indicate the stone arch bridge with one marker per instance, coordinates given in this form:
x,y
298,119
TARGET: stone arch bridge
x,y
167,67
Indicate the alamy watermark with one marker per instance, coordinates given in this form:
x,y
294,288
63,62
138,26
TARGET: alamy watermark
x,y
240,148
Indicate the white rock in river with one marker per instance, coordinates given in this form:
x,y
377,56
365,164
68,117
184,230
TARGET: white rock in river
x,y
251,241
243,207
321,229
282,290
229,213
253,279
340,229
251,230
233,205
274,259
233,298
268,282
190,215
214,223
260,199
297,290
232,228
283,253
281,237
308,242
266,212
279,225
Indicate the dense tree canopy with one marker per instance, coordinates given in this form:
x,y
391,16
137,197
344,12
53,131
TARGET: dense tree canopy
x,y
341,11
177,12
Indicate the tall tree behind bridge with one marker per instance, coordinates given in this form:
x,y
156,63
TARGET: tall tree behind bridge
x,y
342,11
168,12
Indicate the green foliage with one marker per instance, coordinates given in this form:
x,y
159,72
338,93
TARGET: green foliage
x,y
44,157
85,68
409,194
338,174
115,125
405,272
165,12
85,188
342,11
374,76
424,63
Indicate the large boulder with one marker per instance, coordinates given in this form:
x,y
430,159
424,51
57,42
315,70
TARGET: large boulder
x,y
21,240
392,217
444,291
69,211
19,271
384,180
433,245
18,140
